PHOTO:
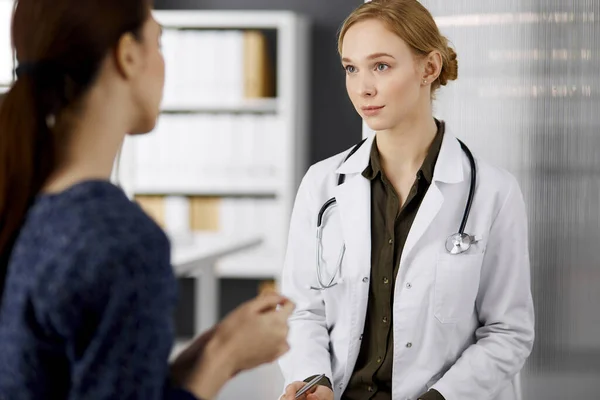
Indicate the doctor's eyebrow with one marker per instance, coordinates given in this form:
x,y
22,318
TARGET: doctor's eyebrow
x,y
371,57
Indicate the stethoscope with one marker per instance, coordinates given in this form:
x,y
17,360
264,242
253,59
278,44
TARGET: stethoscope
x,y
456,243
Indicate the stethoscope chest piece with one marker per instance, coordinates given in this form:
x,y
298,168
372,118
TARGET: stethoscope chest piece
x,y
459,243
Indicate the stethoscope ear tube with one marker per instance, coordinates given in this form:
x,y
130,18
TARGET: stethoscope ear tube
x,y
324,208
465,217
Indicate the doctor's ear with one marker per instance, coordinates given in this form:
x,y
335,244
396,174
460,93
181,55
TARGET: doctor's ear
x,y
431,67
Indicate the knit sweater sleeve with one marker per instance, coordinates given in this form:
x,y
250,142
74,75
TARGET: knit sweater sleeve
x,y
113,311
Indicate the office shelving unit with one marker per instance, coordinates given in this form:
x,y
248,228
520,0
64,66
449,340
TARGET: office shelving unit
x,y
286,112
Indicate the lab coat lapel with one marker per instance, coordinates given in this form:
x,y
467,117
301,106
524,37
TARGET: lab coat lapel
x,y
448,170
354,201
430,207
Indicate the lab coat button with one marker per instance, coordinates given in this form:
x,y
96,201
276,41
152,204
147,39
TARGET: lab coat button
x,y
409,285
365,279
409,345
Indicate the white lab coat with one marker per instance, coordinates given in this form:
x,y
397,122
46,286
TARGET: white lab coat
x,y
462,324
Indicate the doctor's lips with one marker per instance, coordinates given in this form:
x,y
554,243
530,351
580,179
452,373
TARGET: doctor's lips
x,y
371,110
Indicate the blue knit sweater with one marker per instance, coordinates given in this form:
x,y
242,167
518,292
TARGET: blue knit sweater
x,y
88,303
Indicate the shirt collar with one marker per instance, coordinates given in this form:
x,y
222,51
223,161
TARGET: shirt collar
x,y
426,171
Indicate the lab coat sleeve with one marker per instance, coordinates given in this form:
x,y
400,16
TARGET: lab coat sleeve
x,y
505,309
308,335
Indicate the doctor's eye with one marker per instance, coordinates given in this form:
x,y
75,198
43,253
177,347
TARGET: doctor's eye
x,y
350,69
382,67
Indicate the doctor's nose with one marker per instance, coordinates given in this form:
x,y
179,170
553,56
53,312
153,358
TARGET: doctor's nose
x,y
366,88
367,92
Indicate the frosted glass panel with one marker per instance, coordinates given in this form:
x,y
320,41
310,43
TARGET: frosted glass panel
x,y
528,99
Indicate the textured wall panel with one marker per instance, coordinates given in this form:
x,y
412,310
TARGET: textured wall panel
x,y
527,99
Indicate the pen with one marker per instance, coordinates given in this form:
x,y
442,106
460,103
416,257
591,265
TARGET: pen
x,y
309,385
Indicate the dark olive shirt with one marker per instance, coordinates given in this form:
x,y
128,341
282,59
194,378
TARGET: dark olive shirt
x,y
390,225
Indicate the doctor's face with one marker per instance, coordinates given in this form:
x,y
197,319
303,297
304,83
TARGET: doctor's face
x,y
382,75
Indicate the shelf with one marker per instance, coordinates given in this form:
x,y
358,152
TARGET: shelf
x,y
240,256
257,263
196,250
229,19
233,191
247,106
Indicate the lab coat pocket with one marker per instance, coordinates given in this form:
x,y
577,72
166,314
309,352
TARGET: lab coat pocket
x,y
456,286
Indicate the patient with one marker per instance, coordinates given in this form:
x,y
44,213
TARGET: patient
x,y
88,289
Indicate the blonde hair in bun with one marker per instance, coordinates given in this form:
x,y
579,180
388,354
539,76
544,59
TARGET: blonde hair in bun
x,y
412,23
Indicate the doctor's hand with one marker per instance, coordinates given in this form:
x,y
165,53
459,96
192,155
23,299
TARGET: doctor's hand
x,y
319,392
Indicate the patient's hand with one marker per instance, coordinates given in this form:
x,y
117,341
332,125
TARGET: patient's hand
x,y
186,360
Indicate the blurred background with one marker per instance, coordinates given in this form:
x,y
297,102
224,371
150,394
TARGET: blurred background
x,y
255,94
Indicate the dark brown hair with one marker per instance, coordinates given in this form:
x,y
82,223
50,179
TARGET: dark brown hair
x,y
59,45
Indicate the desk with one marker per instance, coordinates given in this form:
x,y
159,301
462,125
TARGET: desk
x,y
195,255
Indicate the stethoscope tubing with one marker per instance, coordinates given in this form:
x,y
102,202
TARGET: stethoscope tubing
x,y
332,201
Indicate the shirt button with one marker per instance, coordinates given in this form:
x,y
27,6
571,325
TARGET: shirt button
x,y
385,320
365,279
409,285
378,359
386,280
409,345
391,241
370,388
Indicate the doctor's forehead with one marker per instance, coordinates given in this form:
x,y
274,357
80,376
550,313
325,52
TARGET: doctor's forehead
x,y
371,37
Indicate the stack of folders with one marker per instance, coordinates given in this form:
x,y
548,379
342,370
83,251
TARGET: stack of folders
x,y
236,216
215,67
210,153
209,142
212,165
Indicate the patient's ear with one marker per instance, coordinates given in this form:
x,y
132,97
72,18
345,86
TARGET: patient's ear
x,y
129,57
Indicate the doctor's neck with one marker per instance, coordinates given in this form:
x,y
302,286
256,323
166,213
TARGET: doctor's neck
x,y
403,148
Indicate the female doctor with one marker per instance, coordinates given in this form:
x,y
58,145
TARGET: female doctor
x,y
391,304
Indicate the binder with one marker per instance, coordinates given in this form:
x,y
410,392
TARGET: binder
x,y
259,79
